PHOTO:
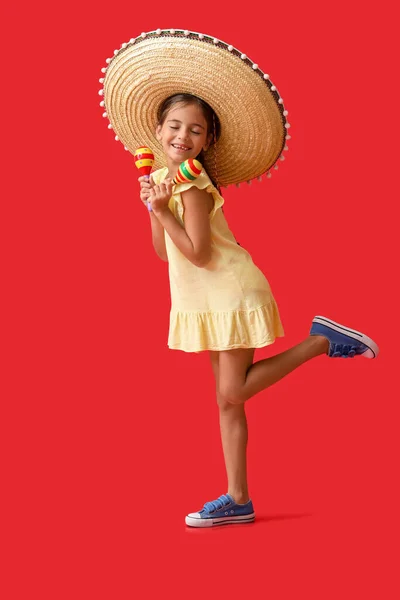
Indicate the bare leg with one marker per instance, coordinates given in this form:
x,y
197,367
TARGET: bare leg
x,y
234,435
239,379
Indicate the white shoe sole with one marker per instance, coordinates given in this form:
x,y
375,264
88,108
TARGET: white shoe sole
x,y
356,335
197,522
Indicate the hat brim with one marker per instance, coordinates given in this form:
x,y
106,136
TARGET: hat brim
x,y
149,69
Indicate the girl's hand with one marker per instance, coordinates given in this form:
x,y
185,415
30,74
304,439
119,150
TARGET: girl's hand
x,y
160,196
146,184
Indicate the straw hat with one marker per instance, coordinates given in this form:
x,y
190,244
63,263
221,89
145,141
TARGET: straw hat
x,y
150,68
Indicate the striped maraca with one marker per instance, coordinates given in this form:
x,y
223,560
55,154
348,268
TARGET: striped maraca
x,y
188,171
144,160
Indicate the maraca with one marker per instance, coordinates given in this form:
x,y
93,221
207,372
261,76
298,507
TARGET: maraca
x,y
144,160
188,171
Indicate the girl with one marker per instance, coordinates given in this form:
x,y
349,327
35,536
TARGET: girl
x,y
220,301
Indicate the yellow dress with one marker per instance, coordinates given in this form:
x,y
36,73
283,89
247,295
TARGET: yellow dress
x,y
228,303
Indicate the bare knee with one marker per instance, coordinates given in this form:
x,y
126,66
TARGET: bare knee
x,y
230,395
232,374
223,405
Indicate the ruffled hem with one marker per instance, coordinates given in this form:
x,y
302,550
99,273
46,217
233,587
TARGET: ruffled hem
x,y
219,331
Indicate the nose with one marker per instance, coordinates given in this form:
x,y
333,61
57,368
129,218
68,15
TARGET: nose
x,y
183,134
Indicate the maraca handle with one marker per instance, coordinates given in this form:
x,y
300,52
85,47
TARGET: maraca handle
x,y
148,203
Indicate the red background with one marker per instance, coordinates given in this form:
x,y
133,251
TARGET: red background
x,y
109,437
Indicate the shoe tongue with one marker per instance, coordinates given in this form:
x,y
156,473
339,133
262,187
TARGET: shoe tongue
x,y
230,498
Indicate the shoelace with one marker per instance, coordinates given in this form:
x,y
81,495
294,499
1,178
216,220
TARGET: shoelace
x,y
217,504
343,350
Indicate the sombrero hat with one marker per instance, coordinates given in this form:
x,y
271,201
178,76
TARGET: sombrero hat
x,y
158,64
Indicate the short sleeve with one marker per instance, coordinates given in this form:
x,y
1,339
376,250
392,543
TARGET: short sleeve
x,y
202,182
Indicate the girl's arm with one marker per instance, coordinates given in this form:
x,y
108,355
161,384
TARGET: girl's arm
x,y
194,239
158,237
157,230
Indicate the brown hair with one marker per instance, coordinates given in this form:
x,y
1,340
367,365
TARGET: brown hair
x,y
213,124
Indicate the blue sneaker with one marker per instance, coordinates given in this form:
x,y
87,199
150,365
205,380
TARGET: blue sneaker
x,y
344,342
223,511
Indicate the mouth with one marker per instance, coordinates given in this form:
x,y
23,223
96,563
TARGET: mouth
x,y
180,147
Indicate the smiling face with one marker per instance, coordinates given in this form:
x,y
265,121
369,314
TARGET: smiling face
x,y
183,134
